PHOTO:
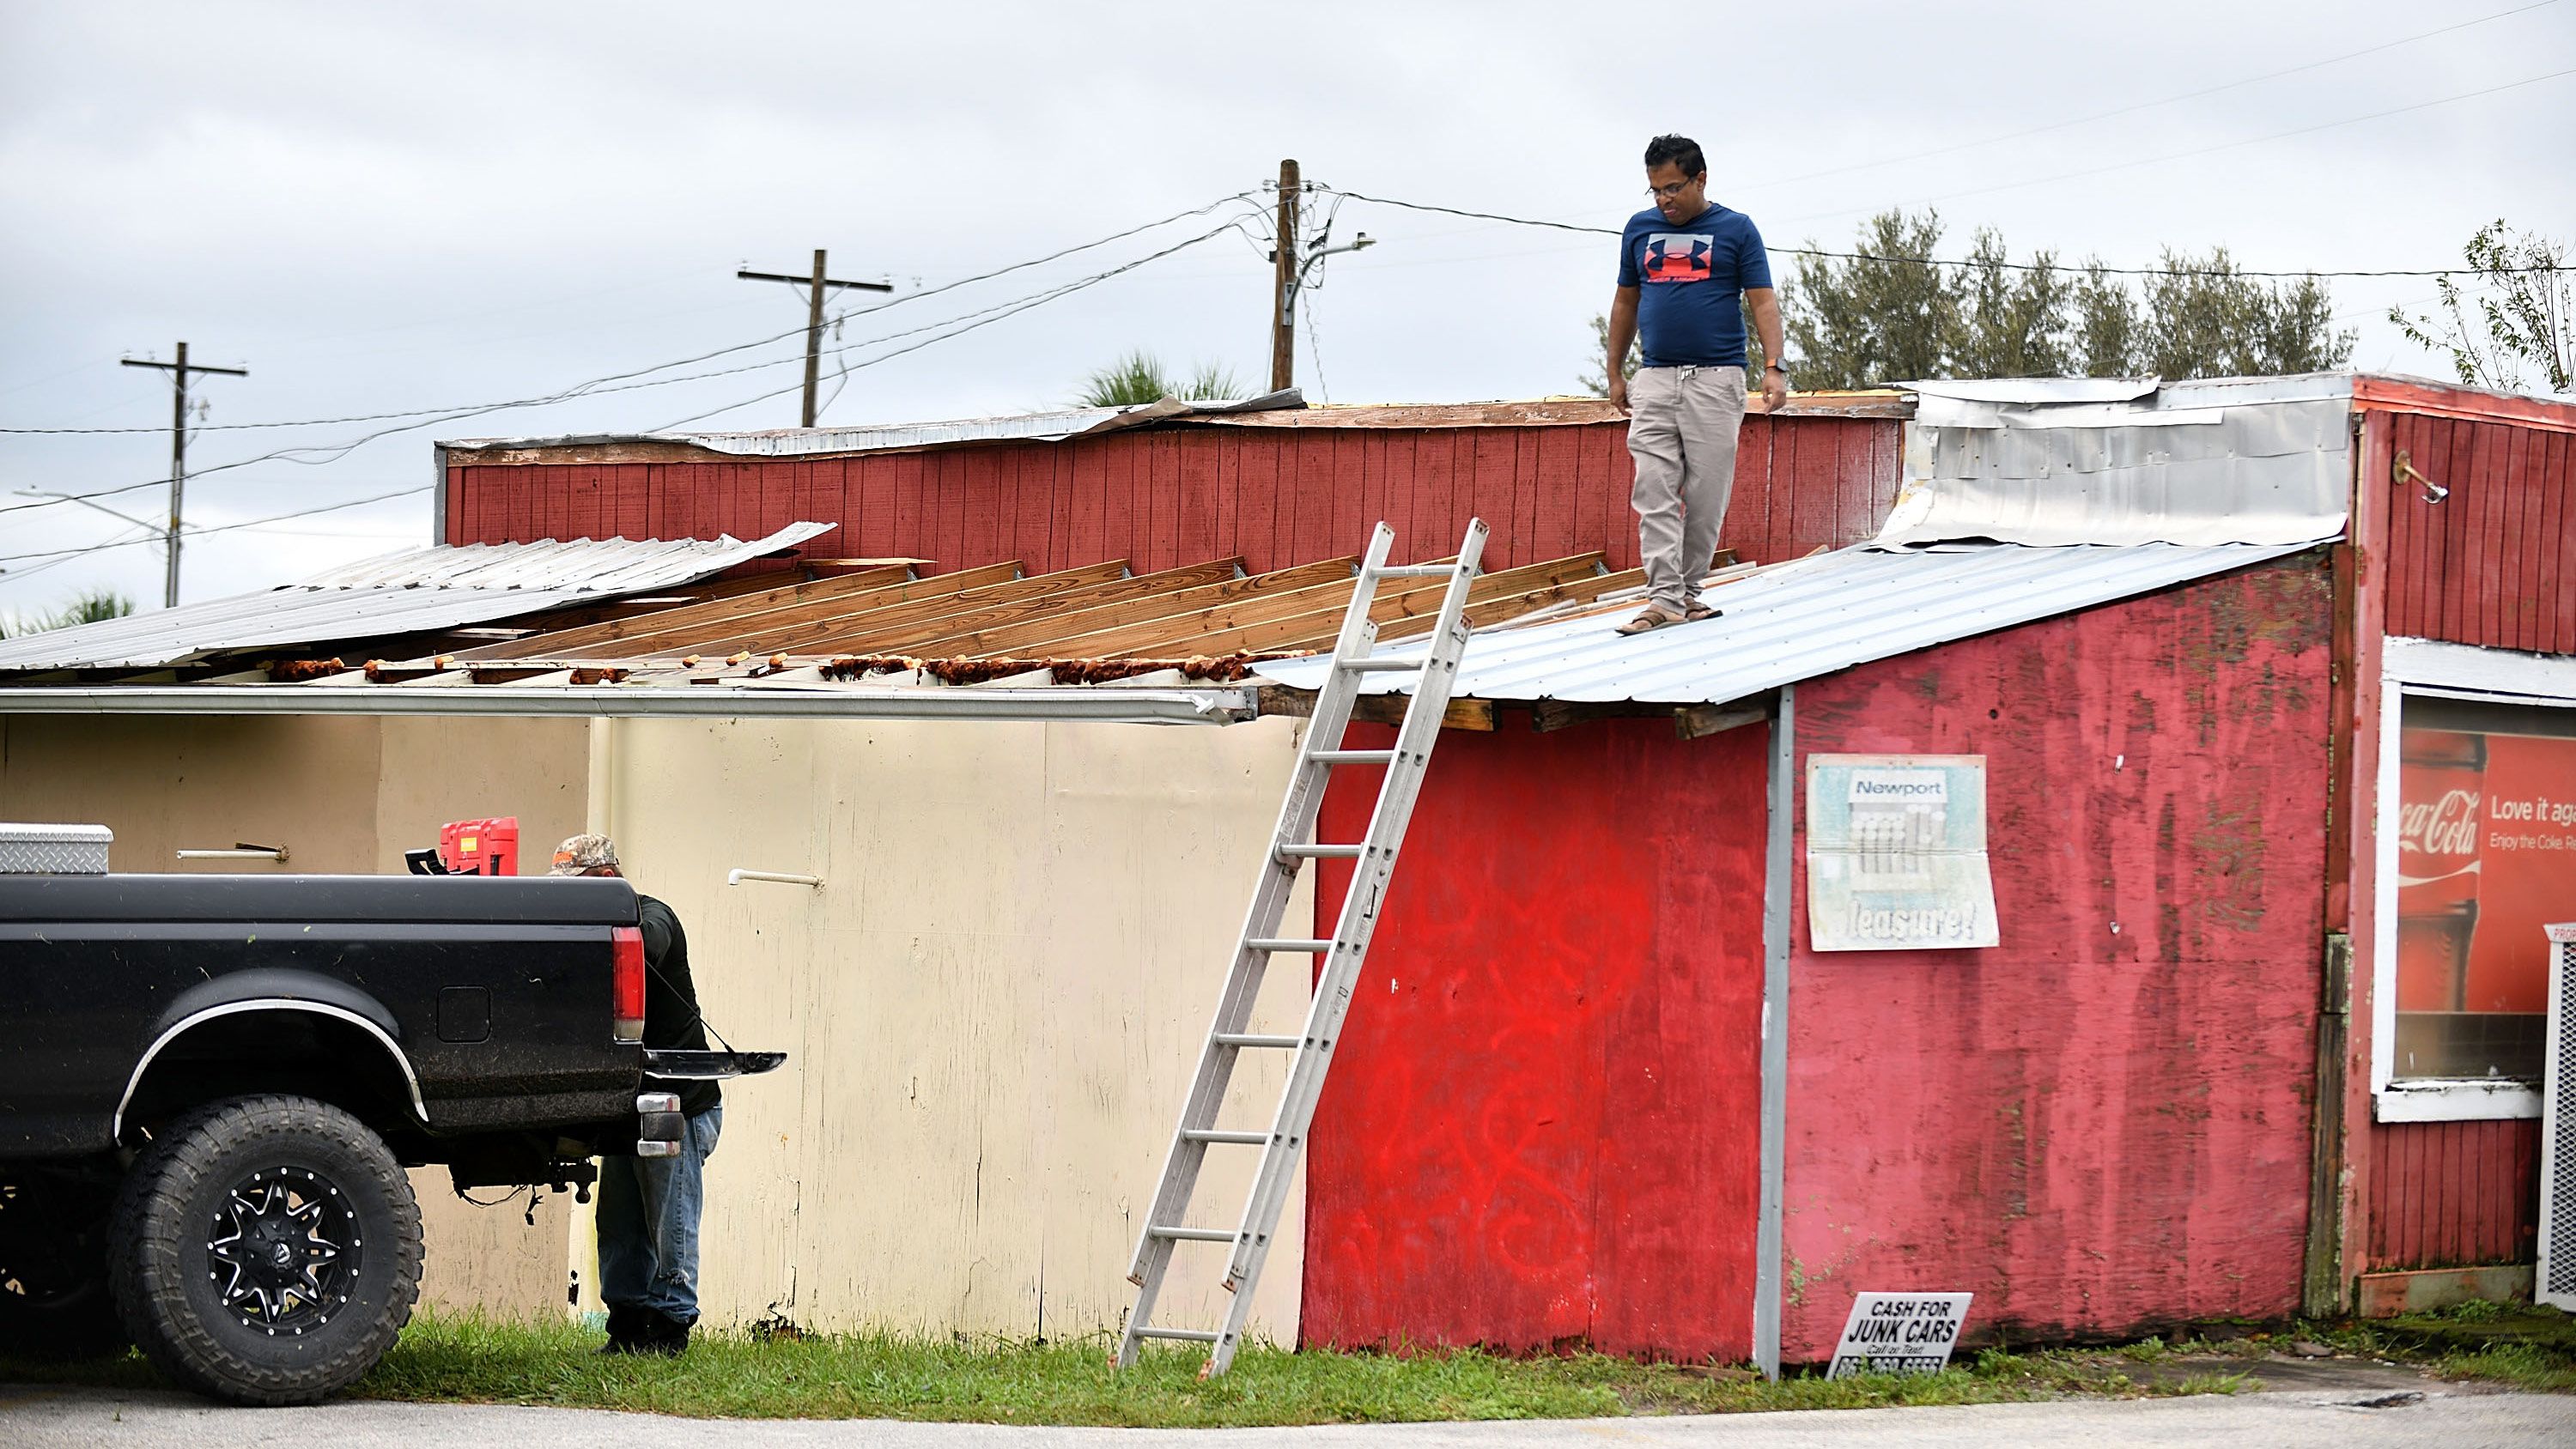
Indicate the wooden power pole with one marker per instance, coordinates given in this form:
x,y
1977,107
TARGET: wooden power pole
x,y
814,317
178,371
1283,316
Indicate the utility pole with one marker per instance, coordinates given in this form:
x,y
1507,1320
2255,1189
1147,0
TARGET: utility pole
x,y
1283,287
814,317
178,371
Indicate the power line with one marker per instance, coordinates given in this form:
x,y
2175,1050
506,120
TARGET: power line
x,y
220,527
1917,261
595,387
982,317
2227,146
985,318
2145,105
464,410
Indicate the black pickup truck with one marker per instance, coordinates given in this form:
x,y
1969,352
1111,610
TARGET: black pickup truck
x,y
210,1087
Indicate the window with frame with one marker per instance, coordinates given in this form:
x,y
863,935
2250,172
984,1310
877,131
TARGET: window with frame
x,y
2486,856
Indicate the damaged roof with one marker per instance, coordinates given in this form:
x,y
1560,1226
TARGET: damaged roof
x,y
420,589
874,638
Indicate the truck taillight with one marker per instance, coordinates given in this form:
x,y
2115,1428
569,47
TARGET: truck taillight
x,y
626,981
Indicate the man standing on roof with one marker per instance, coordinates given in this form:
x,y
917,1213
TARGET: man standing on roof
x,y
649,1206
1683,264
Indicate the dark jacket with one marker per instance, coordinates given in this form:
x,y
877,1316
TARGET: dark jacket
x,y
671,1001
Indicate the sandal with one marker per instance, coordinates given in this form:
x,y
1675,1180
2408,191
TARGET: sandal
x,y
1653,618
1697,612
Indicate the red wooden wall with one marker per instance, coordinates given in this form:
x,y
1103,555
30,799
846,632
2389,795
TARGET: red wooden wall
x,y
1164,497
2102,1125
1540,1126
2495,562
2454,1194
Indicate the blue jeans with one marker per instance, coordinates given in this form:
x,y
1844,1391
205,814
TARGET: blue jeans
x,y
648,1224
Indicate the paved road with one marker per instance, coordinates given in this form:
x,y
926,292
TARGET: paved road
x,y
43,1418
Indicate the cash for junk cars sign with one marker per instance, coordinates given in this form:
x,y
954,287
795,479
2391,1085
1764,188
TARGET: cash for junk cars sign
x,y
1900,1333
1896,853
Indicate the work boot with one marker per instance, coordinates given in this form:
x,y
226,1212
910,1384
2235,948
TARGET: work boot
x,y
661,1334
626,1330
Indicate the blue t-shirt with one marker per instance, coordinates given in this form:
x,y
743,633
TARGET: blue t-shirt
x,y
1689,280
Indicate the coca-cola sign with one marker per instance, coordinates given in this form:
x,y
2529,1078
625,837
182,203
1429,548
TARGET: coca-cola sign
x,y
2447,826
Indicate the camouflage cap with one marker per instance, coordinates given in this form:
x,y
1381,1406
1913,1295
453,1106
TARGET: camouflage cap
x,y
583,853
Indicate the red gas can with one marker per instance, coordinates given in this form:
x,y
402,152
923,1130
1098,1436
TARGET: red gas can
x,y
480,847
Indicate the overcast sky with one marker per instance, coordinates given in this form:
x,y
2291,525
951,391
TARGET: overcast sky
x,y
381,208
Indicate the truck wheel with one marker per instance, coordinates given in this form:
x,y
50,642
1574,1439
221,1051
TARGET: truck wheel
x,y
54,1300
266,1250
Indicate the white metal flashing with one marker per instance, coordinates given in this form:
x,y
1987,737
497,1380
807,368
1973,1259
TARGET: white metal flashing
x,y
1219,705
1045,427
1778,921
2057,462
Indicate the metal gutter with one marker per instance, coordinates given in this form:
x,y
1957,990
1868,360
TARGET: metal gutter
x,y
1092,705
1776,926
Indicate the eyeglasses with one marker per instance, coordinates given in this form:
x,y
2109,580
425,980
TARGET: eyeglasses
x,y
1667,193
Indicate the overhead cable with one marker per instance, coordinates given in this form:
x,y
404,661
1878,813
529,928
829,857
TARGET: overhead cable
x,y
597,384
1911,261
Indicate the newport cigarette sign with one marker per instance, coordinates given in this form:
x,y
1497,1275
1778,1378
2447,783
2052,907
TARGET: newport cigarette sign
x,y
1900,1333
1896,853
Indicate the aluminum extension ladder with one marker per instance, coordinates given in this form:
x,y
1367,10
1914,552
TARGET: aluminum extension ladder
x,y
1291,846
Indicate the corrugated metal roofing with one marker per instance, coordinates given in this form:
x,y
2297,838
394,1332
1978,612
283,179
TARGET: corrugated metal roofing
x,y
2121,461
1054,426
431,588
1802,619
584,565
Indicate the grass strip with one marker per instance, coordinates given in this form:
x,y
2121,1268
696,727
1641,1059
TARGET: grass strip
x,y
466,1359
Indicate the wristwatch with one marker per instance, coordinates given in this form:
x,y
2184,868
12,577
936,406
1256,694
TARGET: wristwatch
x,y
1776,367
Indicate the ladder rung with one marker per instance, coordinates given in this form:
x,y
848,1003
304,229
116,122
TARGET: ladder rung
x,y
1185,1335
1289,948
1322,852
1380,666
1352,757
1414,571
1193,1235
1248,1039
1217,1134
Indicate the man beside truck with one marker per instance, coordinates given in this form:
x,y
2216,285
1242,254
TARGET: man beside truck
x,y
649,1206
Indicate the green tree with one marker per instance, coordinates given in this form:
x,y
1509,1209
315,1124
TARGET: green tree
x,y
86,607
2105,328
2205,318
1891,313
2527,317
1138,377
1860,323
2010,322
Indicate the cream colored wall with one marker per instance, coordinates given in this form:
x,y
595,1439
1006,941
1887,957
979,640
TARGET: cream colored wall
x,y
165,783
993,1004
344,795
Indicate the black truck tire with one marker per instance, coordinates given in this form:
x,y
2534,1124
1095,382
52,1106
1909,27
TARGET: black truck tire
x,y
266,1250
54,1299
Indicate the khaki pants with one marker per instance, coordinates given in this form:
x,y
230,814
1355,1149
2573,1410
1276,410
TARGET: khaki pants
x,y
1682,423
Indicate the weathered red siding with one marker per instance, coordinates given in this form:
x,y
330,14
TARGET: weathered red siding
x,y
1165,497
2495,562
2454,1194
1540,1125
2492,564
2103,1124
